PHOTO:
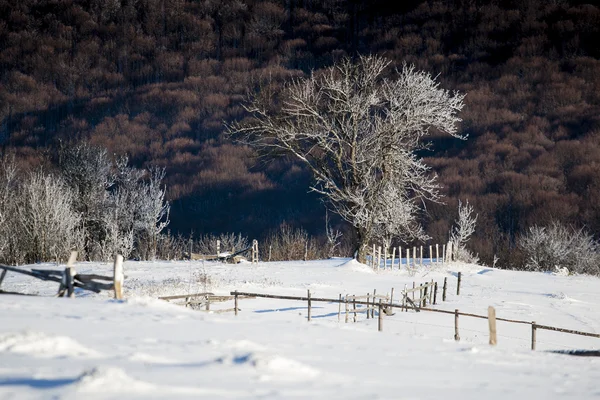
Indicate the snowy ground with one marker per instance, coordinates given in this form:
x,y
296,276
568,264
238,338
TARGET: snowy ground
x,y
140,348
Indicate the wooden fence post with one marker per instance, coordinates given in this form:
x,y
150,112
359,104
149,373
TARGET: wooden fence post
x,y
235,303
255,251
118,277
492,325
415,262
392,296
435,293
368,304
444,289
430,255
421,253
374,300
399,257
378,257
380,322
407,258
270,250
443,254
424,296
207,302
373,256
2,275
69,274
437,253
393,257
456,335
354,307
458,284
309,306
533,335
431,292
340,308
346,303
306,250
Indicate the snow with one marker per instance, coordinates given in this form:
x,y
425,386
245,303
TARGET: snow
x,y
142,347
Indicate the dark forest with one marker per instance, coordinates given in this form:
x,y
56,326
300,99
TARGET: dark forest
x,y
157,79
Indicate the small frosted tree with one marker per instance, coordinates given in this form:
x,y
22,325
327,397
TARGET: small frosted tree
x,y
461,233
152,214
359,132
48,225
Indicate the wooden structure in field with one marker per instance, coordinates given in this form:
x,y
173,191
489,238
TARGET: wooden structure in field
x,y
68,279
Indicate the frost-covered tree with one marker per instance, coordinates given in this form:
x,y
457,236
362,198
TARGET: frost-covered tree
x,y
152,213
48,227
359,132
461,233
88,170
558,246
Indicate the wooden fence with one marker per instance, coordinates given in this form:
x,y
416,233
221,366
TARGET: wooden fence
x,y
68,279
382,307
383,254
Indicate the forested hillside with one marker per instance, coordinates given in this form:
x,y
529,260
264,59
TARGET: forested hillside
x,y
156,79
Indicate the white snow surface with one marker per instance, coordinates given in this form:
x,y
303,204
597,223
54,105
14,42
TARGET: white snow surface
x,y
94,347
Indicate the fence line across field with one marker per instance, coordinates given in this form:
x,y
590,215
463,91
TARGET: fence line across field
x,y
416,257
383,306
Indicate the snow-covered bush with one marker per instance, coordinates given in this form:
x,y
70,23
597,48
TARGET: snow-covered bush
x,y
228,242
557,247
288,243
47,226
461,233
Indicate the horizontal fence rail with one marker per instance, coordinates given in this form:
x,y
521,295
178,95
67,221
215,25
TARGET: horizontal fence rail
x,y
349,300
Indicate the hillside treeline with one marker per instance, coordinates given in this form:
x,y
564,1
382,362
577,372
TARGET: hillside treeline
x,y
156,79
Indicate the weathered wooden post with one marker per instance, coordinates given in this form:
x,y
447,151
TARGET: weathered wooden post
x,y
235,303
374,300
415,262
340,308
444,289
309,306
385,257
392,296
354,307
118,277
492,325
393,257
458,284
399,257
437,253
255,251
2,275
407,258
270,250
456,335
373,256
69,274
443,254
431,292
368,304
533,335
435,293
424,297
346,303
378,257
380,322
430,255
207,302
421,252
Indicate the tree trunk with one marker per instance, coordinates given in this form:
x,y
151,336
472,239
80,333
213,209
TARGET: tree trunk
x,y
363,237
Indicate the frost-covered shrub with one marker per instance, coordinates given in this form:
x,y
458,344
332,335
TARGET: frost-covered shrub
x,y
228,242
288,243
461,233
557,247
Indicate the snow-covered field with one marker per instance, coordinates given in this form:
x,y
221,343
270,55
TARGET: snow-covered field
x,y
95,347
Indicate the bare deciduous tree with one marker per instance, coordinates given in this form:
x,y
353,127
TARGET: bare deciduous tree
x,y
48,227
461,233
358,133
152,214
